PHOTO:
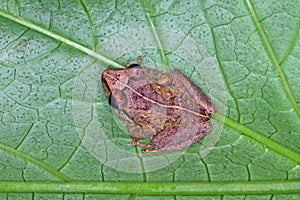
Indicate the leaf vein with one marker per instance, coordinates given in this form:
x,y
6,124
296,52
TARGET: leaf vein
x,y
35,161
60,38
273,58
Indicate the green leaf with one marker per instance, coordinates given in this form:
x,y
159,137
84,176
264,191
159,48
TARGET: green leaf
x,y
59,136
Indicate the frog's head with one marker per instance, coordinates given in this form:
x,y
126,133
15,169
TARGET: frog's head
x,y
117,79
114,81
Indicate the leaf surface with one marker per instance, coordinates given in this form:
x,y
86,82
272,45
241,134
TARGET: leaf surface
x,y
51,99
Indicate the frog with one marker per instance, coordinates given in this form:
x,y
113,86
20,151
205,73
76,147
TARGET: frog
x,y
169,109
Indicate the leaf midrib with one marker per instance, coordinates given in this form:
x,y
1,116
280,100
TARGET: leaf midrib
x,y
157,188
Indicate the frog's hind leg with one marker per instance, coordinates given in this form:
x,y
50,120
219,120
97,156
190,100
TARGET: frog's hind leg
x,y
147,147
135,142
149,150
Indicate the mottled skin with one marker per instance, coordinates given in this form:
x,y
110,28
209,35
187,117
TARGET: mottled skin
x,y
169,109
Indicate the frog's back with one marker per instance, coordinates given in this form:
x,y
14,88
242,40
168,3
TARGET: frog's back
x,y
150,106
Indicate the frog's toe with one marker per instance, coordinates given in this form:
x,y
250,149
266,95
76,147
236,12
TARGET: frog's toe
x,y
149,150
127,64
139,59
134,142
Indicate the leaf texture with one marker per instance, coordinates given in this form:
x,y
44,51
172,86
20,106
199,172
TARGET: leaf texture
x,y
52,107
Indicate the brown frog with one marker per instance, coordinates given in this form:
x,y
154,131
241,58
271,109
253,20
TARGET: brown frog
x,y
169,109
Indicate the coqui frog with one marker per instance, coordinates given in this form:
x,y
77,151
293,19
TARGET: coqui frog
x,y
170,110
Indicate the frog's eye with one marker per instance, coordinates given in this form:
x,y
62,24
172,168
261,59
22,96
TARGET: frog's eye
x,y
112,102
134,66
